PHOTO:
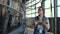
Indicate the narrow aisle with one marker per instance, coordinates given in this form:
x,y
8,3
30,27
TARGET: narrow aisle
x,y
30,31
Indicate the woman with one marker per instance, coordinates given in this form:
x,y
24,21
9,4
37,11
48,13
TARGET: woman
x,y
41,23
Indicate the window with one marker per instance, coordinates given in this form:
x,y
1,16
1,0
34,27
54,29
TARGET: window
x,y
28,16
52,12
33,2
47,13
33,7
58,2
33,11
36,14
36,9
53,3
47,3
37,1
28,1
32,15
29,4
58,12
28,12
39,4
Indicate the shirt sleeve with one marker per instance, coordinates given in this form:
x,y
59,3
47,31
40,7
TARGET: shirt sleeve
x,y
48,23
36,18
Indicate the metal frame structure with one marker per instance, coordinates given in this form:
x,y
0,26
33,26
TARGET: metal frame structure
x,y
10,9
55,16
32,6
6,24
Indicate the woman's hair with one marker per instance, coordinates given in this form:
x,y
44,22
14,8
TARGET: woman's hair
x,y
42,9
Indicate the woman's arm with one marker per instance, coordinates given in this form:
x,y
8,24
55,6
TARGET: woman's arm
x,y
35,23
46,25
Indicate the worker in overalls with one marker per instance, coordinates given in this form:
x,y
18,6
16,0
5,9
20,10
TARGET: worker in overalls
x,y
41,23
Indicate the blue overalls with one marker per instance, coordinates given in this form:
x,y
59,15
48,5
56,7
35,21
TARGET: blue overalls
x,y
44,30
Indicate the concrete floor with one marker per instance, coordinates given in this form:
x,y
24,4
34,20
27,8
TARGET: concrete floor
x,y
30,30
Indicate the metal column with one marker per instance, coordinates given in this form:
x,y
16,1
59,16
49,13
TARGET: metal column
x,y
11,3
7,19
43,3
55,16
25,16
6,24
25,11
0,15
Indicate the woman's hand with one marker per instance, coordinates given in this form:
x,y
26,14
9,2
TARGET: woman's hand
x,y
45,25
35,23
